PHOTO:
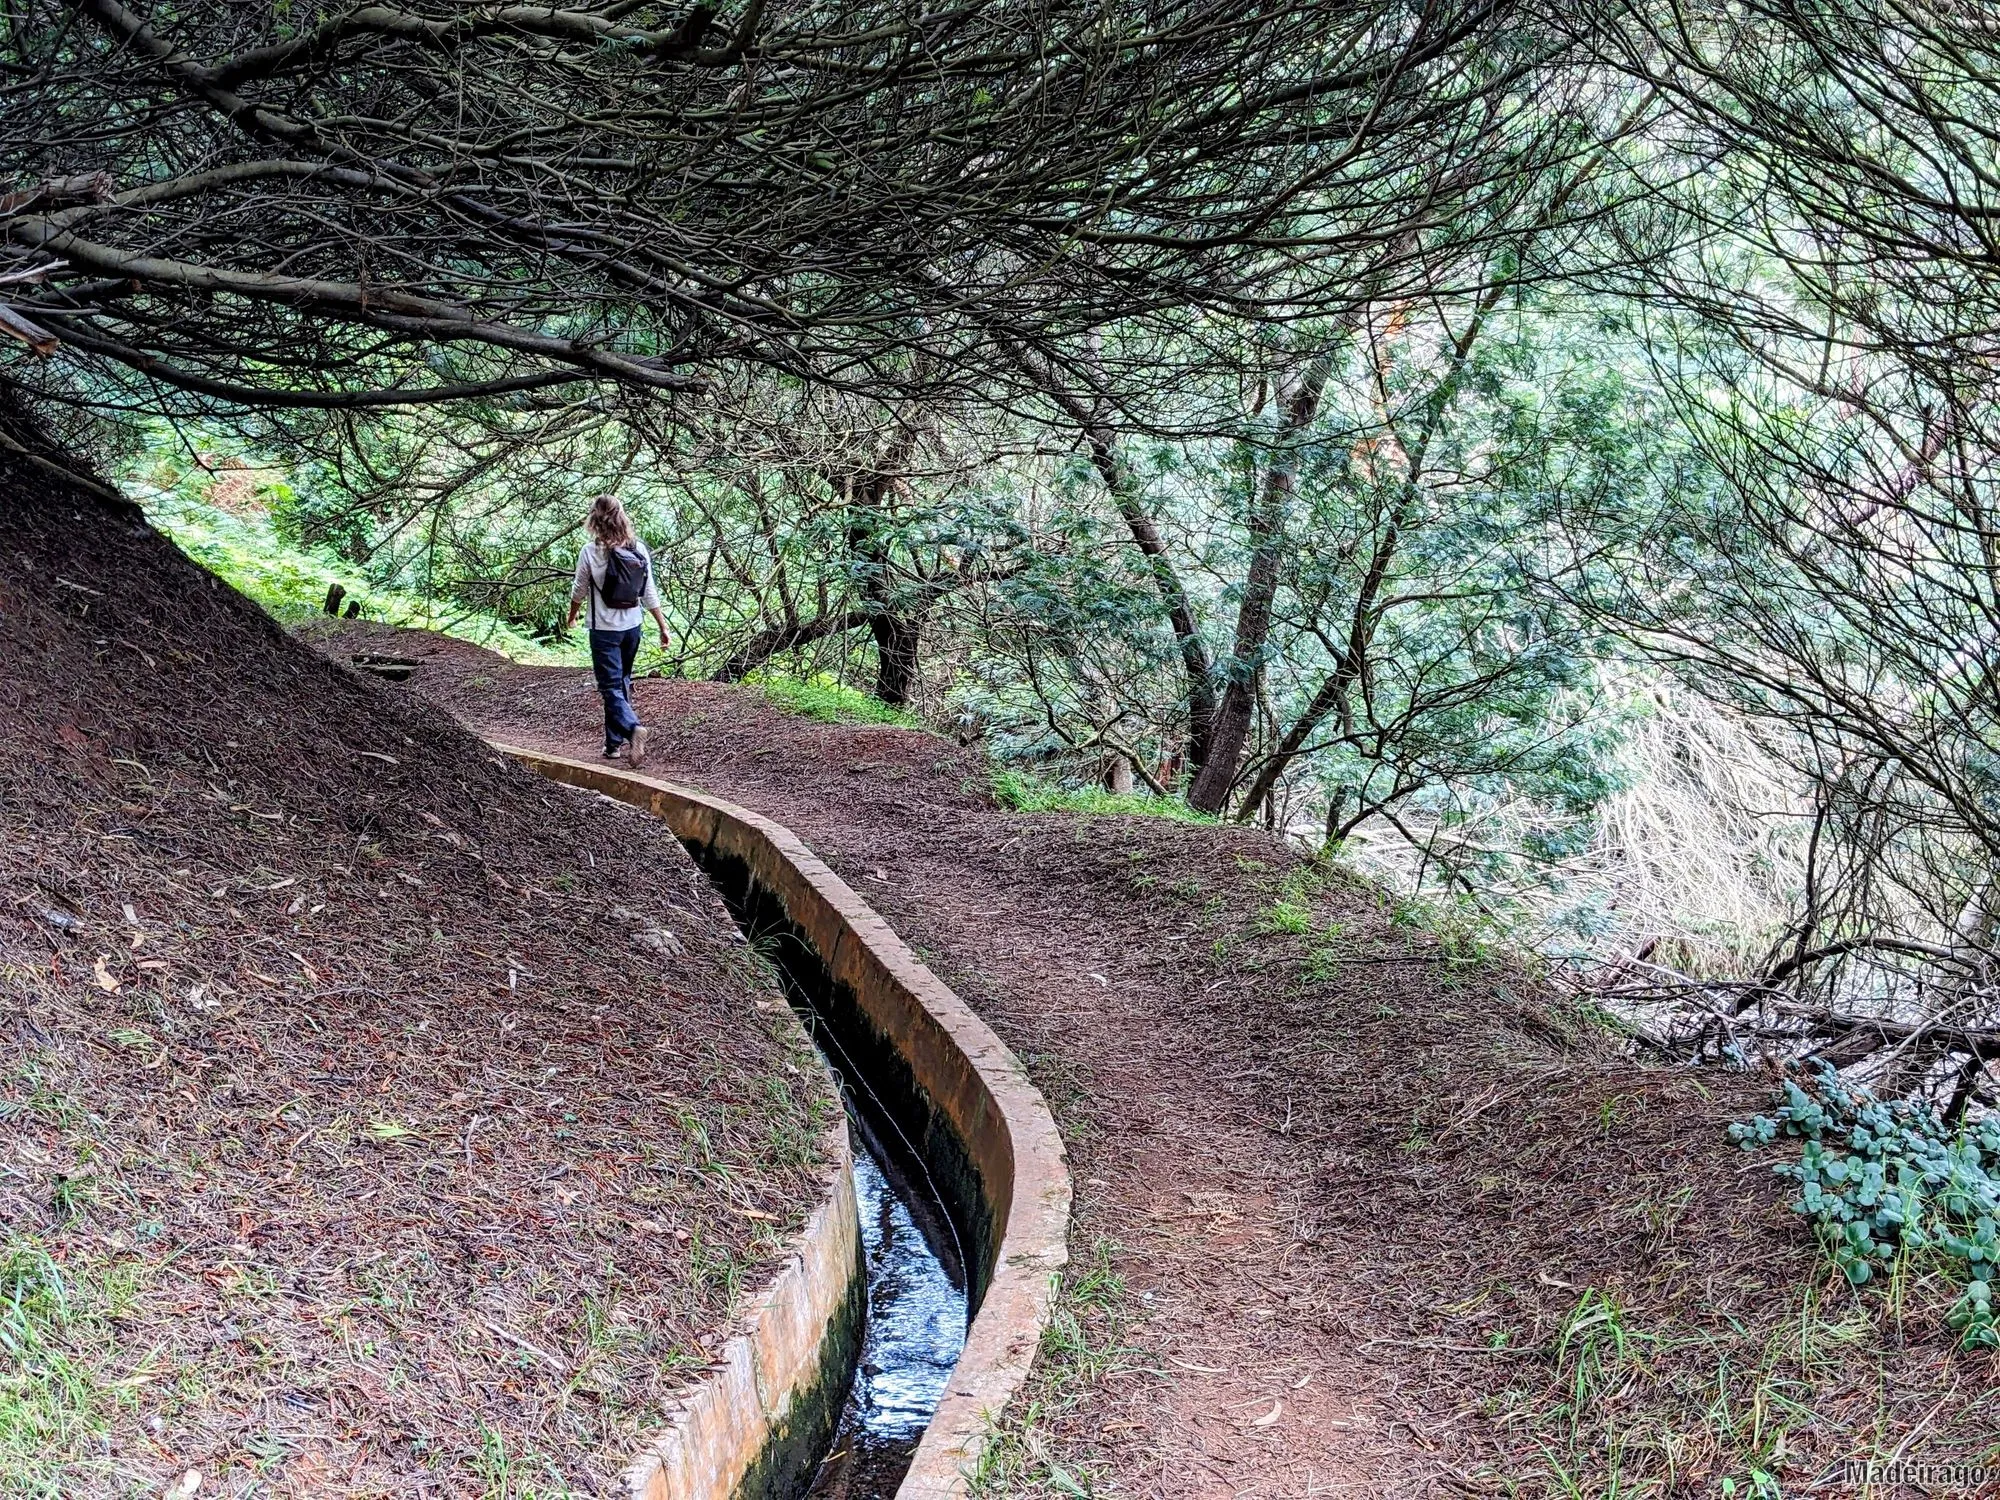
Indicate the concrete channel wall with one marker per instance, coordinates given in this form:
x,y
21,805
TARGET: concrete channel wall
x,y
767,1408
995,1143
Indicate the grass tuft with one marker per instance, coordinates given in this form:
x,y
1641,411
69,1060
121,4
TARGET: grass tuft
x,y
53,1413
829,700
1082,1345
1018,791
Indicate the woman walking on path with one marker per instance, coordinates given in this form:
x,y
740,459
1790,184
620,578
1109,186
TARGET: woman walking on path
x,y
614,577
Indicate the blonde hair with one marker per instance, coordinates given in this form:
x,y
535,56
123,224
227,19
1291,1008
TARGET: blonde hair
x,y
608,524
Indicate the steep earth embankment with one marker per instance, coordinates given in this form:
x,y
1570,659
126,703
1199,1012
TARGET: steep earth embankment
x,y
1360,1209
374,1117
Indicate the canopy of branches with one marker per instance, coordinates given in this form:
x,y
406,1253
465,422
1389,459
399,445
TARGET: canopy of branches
x,y
338,204
1534,447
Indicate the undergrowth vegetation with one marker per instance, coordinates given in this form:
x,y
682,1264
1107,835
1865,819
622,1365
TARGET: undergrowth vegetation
x,y
829,700
1024,791
1889,1187
1082,1345
242,547
1620,1405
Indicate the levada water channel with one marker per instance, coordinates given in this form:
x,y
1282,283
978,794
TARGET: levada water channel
x,y
917,1235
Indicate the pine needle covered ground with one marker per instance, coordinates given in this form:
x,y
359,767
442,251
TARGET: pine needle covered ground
x,y
375,1118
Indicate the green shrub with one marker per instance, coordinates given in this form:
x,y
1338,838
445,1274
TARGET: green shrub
x,y
1880,1178
290,584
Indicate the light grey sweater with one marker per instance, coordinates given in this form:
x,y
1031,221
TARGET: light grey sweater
x,y
589,586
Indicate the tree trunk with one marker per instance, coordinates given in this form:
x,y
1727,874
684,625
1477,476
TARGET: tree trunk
x,y
1210,792
1117,776
1195,664
896,626
1123,488
897,638
1353,662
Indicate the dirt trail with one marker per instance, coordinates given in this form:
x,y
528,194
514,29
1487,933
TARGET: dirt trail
x,y
1387,1220
1243,1383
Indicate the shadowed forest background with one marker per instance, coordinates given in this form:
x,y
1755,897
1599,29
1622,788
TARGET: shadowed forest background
x,y
1544,456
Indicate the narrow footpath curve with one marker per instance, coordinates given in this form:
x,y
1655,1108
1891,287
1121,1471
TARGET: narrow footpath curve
x,y
1173,1165
1356,1181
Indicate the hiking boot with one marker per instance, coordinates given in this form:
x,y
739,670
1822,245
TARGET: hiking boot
x,y
635,749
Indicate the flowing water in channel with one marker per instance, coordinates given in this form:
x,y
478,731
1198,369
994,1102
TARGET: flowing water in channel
x,y
918,1306
916,1327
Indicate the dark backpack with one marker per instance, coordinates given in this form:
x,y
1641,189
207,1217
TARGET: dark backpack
x,y
624,578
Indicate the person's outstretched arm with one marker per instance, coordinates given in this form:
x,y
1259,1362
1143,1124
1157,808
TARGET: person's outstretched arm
x,y
650,602
579,589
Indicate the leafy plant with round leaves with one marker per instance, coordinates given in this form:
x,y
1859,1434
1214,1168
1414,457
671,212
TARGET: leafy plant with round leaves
x,y
1879,1177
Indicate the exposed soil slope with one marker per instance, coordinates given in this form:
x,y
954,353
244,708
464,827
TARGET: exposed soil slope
x,y
374,1117
1359,1211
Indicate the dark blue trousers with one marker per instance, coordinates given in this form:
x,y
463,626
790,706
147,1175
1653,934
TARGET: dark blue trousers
x,y
612,653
